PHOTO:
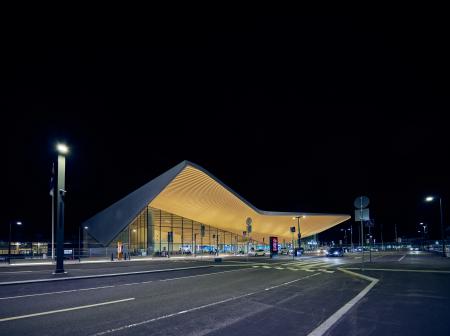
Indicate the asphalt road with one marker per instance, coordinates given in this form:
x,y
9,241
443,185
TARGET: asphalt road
x,y
262,297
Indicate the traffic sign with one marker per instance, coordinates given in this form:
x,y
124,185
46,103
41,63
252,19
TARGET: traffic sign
x,y
361,202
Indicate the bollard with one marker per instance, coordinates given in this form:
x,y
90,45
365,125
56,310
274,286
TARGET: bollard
x,y
112,256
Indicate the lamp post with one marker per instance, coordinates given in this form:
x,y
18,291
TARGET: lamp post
x,y
62,150
431,199
299,235
79,241
9,245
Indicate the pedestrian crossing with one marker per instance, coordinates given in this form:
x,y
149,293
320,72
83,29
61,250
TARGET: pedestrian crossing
x,y
306,265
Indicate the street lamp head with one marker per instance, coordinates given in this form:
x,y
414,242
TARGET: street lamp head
x,y
429,199
421,223
62,148
19,223
86,227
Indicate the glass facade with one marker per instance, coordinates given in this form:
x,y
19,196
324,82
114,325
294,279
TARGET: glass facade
x,y
155,232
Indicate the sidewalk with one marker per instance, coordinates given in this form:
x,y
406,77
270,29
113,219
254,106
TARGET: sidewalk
x,y
40,262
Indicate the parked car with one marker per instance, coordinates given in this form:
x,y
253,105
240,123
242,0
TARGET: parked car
x,y
284,250
335,252
256,253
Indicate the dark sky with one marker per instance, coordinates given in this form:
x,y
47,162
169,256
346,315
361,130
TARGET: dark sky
x,y
293,113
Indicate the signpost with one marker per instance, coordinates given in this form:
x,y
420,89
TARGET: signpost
x,y
361,214
293,230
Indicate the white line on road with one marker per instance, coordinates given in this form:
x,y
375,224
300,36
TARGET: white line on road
x,y
329,322
289,282
171,315
63,310
16,272
399,270
200,275
102,275
49,293
112,286
193,309
402,258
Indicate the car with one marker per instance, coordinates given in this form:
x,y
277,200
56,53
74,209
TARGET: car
x,y
256,253
335,252
284,250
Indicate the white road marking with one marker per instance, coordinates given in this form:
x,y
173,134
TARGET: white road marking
x,y
199,275
193,309
63,310
49,293
102,275
402,258
17,272
399,270
171,315
289,282
112,286
329,322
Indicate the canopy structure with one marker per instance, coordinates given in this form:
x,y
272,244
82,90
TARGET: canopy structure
x,y
190,191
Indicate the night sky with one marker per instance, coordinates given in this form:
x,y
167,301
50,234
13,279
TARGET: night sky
x,y
293,113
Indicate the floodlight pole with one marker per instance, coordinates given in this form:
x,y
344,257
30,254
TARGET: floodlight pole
x,y
362,233
442,228
59,205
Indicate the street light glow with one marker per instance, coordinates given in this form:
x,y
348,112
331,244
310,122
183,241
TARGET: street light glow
x,y
62,148
19,223
429,198
86,227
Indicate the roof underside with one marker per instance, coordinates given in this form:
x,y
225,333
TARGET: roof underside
x,y
190,191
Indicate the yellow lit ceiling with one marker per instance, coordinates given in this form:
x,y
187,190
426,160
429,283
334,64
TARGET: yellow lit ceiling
x,y
194,194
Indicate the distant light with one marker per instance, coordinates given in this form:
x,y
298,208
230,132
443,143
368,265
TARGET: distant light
x,y
62,148
86,227
418,231
429,198
294,217
19,223
304,216
421,223
134,230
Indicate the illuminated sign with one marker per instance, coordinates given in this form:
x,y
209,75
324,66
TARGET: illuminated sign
x,y
274,245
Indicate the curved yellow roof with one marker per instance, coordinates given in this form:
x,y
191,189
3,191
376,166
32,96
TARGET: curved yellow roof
x,y
195,194
189,191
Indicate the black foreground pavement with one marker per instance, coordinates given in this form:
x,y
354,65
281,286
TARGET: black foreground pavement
x,y
263,298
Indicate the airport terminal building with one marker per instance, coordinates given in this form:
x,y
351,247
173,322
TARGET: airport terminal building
x,y
188,210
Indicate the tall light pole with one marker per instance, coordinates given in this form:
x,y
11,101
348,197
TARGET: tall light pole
x,y
9,245
299,235
79,241
431,199
62,150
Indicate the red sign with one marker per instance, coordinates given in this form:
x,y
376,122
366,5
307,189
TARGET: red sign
x,y
274,244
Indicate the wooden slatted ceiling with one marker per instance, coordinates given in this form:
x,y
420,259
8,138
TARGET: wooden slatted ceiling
x,y
195,195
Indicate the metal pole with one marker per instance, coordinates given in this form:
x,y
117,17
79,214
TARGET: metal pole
x,y
293,250
442,228
60,214
79,243
396,239
351,236
53,224
9,245
362,235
